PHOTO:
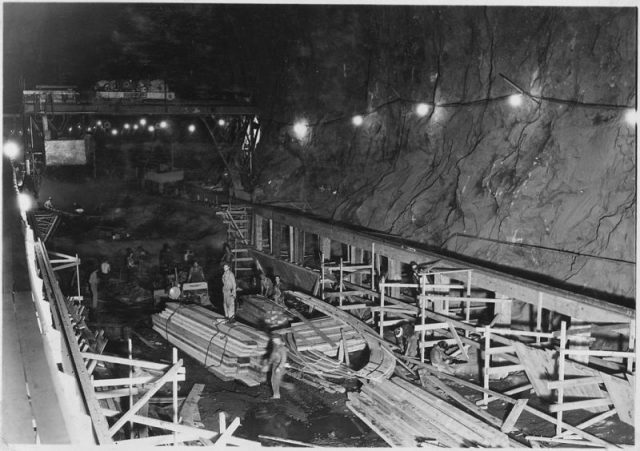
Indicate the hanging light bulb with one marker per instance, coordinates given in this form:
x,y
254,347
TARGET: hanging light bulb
x,y
143,122
163,124
301,128
126,126
221,122
135,126
631,117
515,100
422,109
357,120
151,128
114,132
192,128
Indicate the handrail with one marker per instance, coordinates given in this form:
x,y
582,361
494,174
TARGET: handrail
x,y
70,346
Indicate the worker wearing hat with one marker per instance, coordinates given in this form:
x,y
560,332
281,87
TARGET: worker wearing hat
x,y
229,292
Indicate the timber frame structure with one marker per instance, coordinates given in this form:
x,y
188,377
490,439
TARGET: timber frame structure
x,y
41,107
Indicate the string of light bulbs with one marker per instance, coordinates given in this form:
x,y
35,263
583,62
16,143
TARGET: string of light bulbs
x,y
423,108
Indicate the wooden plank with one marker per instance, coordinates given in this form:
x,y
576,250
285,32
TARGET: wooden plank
x,y
513,416
505,369
125,361
168,425
575,382
579,405
432,326
426,378
622,395
189,409
577,443
536,363
17,418
288,441
457,338
46,406
224,436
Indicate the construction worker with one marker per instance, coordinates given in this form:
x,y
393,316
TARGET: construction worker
x,y
278,296
229,292
266,286
439,357
100,275
195,273
227,253
277,361
404,335
48,204
130,265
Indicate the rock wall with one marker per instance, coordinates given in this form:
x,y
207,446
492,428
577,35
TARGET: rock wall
x,y
547,187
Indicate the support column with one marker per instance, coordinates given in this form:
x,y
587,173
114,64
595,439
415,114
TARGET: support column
x,y
300,245
325,246
503,309
394,273
357,256
276,232
292,244
257,231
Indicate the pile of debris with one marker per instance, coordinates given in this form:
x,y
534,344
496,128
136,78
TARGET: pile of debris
x,y
405,415
230,351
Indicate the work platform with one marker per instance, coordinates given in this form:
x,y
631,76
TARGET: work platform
x,y
118,108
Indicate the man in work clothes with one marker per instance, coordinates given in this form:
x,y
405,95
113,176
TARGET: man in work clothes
x,y
97,276
229,292
266,286
277,361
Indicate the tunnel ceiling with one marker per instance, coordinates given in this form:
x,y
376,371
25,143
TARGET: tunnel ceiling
x,y
546,186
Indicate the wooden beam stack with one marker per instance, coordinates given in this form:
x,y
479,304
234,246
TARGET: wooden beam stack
x,y
230,351
405,415
307,337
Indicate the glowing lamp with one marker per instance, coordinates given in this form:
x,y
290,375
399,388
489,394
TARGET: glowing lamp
x,y
151,128
631,116
221,122
192,128
126,126
357,120
300,129
163,124
135,126
422,109
70,128
99,123
11,149
114,132
24,202
515,100
143,122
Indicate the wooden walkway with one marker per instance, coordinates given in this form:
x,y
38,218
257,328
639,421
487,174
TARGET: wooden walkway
x,y
31,412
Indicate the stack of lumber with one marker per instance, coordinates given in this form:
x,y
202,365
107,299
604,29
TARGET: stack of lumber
x,y
405,415
307,337
259,311
316,362
230,351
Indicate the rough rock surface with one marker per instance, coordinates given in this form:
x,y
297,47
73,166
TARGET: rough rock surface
x,y
547,187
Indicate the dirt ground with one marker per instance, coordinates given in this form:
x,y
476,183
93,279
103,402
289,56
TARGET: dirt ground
x,y
131,219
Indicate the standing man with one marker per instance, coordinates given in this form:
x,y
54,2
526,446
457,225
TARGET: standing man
x,y
277,291
229,292
277,361
195,273
98,276
266,286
